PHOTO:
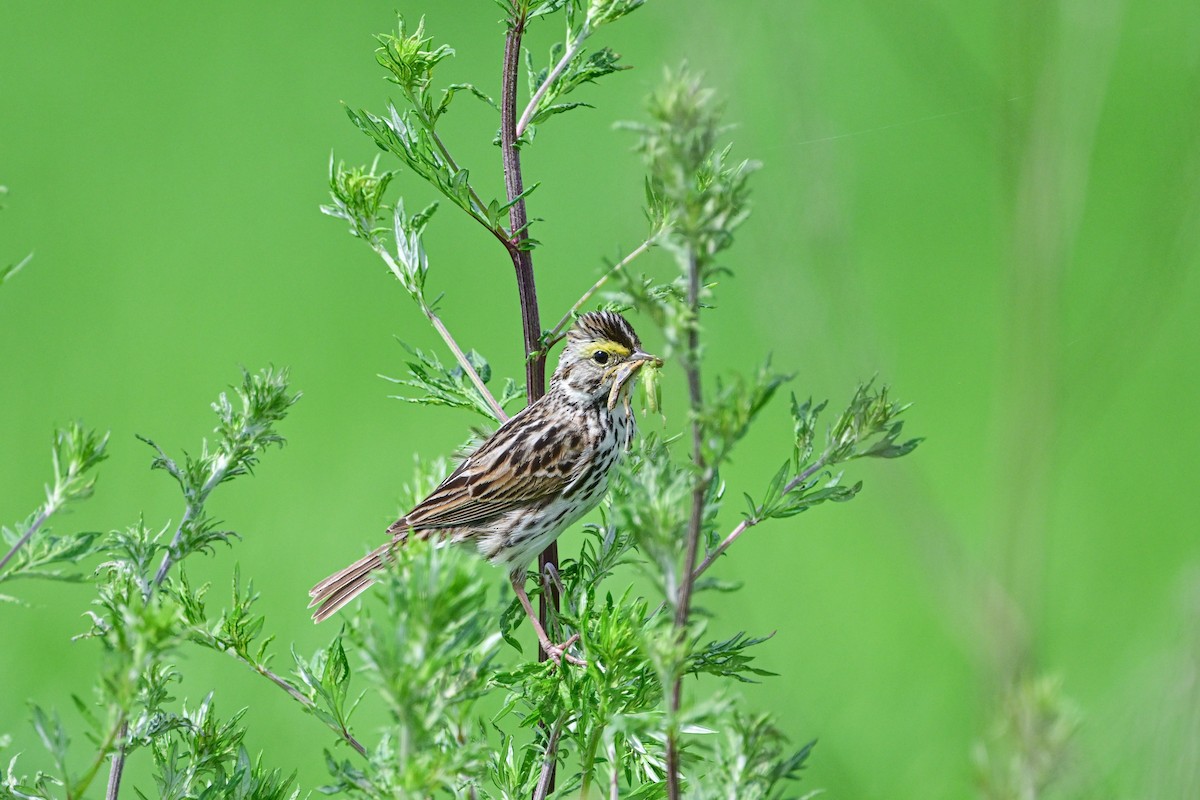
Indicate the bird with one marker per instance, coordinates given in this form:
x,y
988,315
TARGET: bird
x,y
538,473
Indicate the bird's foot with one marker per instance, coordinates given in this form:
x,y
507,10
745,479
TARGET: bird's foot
x,y
558,652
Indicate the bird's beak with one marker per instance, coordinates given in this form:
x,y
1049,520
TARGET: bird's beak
x,y
645,358
627,370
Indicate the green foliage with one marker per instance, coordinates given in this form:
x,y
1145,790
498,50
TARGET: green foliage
x,y
439,385
140,630
734,406
33,551
867,428
1029,743
202,757
570,66
691,181
245,430
464,715
434,631
752,762
357,194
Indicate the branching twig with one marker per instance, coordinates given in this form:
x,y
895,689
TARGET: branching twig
x,y
299,697
82,450
189,512
750,522
437,141
562,64
559,330
118,763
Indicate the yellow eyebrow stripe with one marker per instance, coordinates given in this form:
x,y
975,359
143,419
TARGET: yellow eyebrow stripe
x,y
611,347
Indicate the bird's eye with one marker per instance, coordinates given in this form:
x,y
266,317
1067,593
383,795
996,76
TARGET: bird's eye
x,y
600,357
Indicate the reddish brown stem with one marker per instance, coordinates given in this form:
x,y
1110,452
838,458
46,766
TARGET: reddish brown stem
x,y
518,250
535,360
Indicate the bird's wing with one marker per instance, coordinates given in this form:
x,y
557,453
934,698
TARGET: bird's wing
x,y
521,464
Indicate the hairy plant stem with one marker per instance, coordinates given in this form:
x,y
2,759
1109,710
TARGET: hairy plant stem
x,y
444,332
118,766
691,366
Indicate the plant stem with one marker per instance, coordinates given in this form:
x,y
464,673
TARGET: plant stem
x,y
535,359
81,786
419,110
535,364
691,366
750,522
530,109
587,762
168,559
559,330
44,515
193,504
299,697
440,327
118,767
444,332
518,250
545,783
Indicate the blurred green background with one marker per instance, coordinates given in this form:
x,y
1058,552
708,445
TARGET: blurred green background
x,y
992,205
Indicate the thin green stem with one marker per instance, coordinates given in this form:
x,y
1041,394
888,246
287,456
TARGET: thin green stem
x,y
444,332
47,510
559,330
750,522
691,367
295,694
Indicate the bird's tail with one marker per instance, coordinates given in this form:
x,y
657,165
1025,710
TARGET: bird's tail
x,y
343,586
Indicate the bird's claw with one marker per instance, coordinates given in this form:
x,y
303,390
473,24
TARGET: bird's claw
x,y
558,652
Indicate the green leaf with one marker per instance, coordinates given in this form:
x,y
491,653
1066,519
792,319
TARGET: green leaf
x,y
408,58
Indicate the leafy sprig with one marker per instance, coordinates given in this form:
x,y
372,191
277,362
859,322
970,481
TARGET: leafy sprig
x,y
319,684
75,453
